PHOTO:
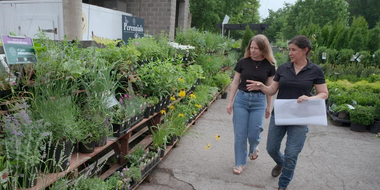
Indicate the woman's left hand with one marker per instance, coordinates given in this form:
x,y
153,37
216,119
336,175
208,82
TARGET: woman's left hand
x,y
302,98
268,111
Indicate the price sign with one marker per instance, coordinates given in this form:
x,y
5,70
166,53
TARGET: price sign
x,y
18,50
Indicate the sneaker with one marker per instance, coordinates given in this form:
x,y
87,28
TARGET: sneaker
x,y
282,188
276,171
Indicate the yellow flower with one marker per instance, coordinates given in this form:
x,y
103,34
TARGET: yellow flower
x,y
181,80
172,98
172,107
198,106
192,96
217,137
180,115
207,146
163,112
182,93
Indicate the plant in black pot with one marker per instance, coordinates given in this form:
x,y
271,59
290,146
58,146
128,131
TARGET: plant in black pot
x,y
160,136
375,128
54,104
25,140
343,111
361,117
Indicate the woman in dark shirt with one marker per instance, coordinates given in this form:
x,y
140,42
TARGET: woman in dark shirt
x,y
249,107
293,80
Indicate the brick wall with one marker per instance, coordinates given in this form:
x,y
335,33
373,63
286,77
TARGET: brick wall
x,y
160,15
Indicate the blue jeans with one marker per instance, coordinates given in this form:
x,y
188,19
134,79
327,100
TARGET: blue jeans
x,y
296,136
248,119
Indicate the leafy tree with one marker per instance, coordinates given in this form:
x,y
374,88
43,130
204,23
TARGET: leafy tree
x,y
248,34
374,39
357,41
319,12
276,20
333,33
206,14
325,33
341,38
361,24
366,8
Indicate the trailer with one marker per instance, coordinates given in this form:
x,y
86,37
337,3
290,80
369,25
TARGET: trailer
x,y
27,18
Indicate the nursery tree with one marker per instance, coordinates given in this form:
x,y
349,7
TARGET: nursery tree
x,y
248,34
318,12
205,14
361,24
366,8
341,38
357,41
374,39
276,20
322,40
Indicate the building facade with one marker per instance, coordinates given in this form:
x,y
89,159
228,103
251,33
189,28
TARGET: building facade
x,y
158,15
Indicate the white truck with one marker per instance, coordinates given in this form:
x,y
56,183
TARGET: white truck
x,y
25,18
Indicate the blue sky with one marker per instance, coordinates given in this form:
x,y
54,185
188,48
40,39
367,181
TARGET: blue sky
x,y
272,4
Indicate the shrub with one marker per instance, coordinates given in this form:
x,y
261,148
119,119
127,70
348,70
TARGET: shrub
x,y
345,56
362,115
248,34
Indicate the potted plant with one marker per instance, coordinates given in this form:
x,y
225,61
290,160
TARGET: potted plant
x,y
160,136
92,183
54,104
375,127
24,140
361,117
126,177
343,111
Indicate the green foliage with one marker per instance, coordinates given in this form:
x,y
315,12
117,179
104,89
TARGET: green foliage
x,y
92,183
160,135
374,39
376,58
221,80
276,19
248,34
342,38
242,11
304,12
357,41
345,56
366,8
362,115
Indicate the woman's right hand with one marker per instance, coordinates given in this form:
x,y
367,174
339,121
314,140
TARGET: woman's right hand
x,y
229,108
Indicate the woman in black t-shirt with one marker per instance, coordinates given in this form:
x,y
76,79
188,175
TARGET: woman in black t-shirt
x,y
293,80
250,107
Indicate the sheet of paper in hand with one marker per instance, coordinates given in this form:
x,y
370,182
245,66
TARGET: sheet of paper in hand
x,y
310,112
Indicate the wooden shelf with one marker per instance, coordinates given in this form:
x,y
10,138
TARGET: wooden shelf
x,y
146,142
77,159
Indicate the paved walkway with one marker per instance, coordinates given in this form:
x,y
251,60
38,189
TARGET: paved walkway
x,y
333,158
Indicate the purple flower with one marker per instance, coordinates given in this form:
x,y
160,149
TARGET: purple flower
x,y
137,43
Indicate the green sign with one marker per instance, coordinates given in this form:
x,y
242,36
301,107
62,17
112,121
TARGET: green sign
x,y
18,50
133,27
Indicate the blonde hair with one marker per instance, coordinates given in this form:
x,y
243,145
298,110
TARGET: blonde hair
x,y
264,46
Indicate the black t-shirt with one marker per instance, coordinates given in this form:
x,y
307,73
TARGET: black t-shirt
x,y
248,71
292,86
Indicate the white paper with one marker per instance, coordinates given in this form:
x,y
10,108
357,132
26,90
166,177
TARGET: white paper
x,y
310,112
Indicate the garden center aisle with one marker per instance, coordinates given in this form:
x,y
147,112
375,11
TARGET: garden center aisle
x,y
333,158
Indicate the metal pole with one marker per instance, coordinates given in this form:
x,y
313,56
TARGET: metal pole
x,y
222,29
